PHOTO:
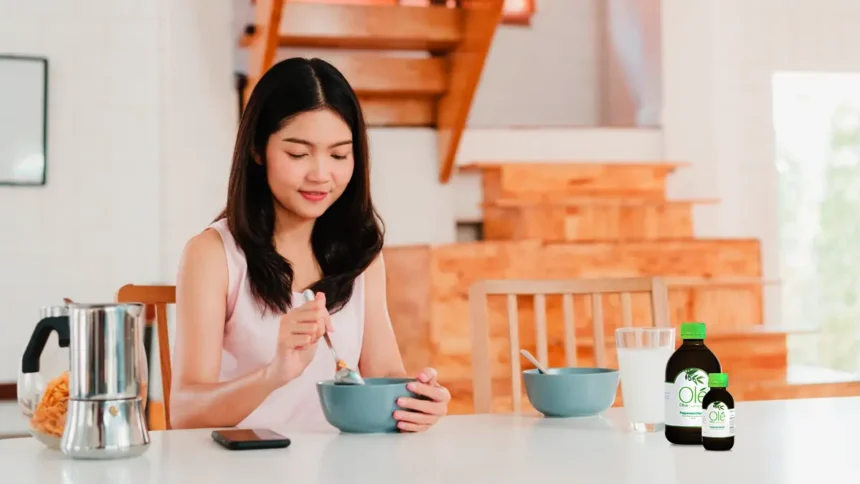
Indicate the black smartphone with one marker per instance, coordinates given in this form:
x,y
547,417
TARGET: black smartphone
x,y
250,439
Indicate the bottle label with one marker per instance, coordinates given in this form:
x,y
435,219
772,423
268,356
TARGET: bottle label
x,y
718,421
684,398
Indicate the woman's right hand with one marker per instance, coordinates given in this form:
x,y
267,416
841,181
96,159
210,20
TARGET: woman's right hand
x,y
299,331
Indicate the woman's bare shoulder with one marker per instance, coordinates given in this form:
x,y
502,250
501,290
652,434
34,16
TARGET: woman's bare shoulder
x,y
377,266
204,254
374,275
206,245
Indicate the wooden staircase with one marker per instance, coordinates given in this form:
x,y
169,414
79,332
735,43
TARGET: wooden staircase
x,y
579,221
410,65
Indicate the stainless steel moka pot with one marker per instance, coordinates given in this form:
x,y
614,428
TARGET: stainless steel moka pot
x,y
107,378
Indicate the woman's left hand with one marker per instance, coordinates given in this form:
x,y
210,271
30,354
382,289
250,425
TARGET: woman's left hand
x,y
419,415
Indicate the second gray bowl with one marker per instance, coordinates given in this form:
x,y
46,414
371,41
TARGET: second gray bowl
x,y
571,392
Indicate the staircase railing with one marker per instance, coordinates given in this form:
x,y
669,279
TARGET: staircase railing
x,y
480,20
267,21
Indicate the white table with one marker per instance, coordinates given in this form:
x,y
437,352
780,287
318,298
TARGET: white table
x,y
785,442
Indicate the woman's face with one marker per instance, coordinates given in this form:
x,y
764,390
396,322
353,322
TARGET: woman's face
x,y
309,162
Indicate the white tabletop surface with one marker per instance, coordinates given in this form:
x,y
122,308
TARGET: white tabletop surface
x,y
786,442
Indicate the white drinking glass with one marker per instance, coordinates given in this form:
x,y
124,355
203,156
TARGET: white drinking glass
x,y
642,357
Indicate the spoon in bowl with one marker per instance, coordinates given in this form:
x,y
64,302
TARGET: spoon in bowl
x,y
534,361
343,375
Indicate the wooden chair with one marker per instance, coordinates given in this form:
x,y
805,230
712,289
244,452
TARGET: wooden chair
x,y
156,299
539,289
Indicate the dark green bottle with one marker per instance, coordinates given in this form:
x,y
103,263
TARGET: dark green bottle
x,y
686,385
718,414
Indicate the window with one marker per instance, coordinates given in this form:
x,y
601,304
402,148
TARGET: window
x,y
817,144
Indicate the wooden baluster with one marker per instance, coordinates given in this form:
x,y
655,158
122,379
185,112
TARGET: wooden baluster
x,y
514,334
599,340
164,358
626,310
482,384
147,348
540,329
660,303
262,52
569,330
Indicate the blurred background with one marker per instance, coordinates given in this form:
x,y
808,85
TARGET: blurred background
x,y
720,139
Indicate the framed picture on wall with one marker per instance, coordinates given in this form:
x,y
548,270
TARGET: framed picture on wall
x,y
23,120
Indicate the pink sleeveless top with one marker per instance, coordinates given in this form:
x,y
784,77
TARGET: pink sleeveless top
x,y
249,344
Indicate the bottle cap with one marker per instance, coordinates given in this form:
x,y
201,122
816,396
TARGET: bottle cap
x,y
718,380
694,330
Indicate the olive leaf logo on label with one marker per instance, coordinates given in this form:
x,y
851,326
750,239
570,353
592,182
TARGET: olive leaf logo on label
x,y
717,414
690,375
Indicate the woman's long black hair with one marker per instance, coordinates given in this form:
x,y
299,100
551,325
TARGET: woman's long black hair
x,y
348,236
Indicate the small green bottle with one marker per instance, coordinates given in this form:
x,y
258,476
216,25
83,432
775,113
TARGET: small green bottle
x,y
718,414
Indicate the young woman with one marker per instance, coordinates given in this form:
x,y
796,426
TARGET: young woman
x,y
298,216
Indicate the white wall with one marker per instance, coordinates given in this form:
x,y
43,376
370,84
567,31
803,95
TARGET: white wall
x,y
630,59
546,145
140,130
546,74
83,233
417,209
719,59
198,121
414,206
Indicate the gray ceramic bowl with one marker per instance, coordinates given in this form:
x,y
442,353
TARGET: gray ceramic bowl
x,y
571,392
363,409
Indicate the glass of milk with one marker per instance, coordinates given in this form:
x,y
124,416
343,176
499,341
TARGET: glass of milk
x,y
642,357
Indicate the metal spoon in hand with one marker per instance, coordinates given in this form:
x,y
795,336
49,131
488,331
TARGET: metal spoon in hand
x,y
344,375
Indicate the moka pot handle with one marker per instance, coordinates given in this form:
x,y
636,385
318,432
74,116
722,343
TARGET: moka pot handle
x,y
33,353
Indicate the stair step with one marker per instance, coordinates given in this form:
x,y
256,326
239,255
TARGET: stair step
x,y
575,202
455,266
589,220
429,326
389,27
551,181
382,111
717,281
724,309
387,75
397,109
674,258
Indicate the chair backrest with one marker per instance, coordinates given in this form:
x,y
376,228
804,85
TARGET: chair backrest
x,y
156,299
539,290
